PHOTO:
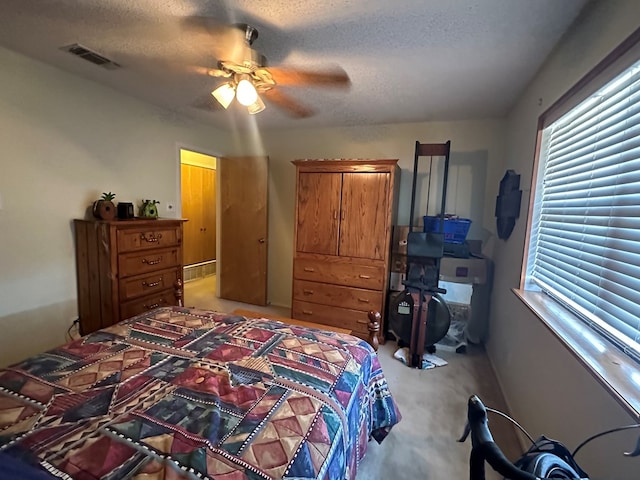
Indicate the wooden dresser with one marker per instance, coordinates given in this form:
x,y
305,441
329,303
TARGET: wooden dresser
x,y
344,213
126,267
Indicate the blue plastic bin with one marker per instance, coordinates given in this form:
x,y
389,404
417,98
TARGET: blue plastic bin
x,y
455,229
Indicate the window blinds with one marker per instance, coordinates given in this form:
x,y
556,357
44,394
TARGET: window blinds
x,y
585,233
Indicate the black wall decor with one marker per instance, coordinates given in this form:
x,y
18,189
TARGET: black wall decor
x,y
508,203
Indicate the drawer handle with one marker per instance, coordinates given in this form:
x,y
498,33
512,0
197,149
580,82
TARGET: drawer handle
x,y
363,300
366,277
152,262
306,291
154,305
307,312
151,238
309,269
152,284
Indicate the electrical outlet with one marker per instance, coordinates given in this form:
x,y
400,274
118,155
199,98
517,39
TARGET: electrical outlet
x,y
170,207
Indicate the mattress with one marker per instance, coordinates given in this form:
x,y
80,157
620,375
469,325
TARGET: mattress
x,y
187,393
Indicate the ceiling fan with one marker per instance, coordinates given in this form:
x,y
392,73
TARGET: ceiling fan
x,y
249,79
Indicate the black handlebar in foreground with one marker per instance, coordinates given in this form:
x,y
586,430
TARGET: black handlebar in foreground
x,y
546,458
484,448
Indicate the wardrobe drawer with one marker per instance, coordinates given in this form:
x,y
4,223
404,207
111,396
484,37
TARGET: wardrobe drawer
x,y
339,273
149,302
337,295
132,287
137,263
144,238
354,320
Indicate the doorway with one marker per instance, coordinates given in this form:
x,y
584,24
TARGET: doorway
x,y
224,200
198,198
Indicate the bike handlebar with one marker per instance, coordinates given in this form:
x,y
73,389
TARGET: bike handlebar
x,y
546,456
483,448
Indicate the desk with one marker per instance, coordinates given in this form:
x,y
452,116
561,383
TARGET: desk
x,y
477,275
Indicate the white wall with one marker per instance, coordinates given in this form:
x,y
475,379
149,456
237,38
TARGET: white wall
x,y
477,149
64,141
546,388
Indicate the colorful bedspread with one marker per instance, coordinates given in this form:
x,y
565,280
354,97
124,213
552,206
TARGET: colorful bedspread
x,y
184,393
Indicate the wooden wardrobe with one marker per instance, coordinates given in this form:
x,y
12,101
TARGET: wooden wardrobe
x,y
344,213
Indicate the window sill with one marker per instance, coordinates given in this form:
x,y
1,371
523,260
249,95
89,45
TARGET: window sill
x,y
616,372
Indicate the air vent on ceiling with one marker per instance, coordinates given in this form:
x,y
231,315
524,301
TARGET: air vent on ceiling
x,y
91,56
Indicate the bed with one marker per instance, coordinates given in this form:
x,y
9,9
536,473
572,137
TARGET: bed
x,y
184,393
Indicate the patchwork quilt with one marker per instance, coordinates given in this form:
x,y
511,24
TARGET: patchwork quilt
x,y
182,393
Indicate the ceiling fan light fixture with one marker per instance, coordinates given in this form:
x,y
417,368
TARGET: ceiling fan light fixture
x,y
224,94
256,107
246,92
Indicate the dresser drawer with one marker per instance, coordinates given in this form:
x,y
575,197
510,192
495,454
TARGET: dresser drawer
x,y
143,238
337,295
132,287
149,302
339,273
354,320
144,262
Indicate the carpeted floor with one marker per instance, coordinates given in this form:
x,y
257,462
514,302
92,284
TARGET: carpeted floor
x,y
432,402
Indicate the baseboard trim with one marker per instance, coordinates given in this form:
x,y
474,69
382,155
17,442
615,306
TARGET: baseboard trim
x,y
198,271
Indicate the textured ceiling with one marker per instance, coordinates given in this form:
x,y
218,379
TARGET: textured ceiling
x,y
408,60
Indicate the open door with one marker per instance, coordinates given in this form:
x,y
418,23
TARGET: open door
x,y
242,263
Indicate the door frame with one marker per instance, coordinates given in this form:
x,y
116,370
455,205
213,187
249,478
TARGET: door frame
x,y
178,209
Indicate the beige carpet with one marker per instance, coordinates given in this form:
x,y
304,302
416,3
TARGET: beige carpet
x,y
432,403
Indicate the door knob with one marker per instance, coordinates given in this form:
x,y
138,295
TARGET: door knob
x,y
262,240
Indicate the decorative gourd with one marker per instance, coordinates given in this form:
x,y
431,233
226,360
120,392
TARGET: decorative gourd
x,y
148,209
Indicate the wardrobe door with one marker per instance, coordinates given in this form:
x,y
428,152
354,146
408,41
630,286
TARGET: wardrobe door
x,y
318,210
208,248
191,179
199,207
363,229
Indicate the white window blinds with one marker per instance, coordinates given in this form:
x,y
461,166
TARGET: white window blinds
x,y
585,234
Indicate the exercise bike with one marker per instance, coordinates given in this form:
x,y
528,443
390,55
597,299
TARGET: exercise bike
x,y
545,459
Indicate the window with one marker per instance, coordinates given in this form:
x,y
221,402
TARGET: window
x,y
584,244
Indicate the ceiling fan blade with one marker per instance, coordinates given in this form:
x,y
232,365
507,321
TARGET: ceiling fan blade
x,y
227,42
334,77
207,25
215,72
292,107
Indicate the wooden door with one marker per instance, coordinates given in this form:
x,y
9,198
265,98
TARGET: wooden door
x,y
363,229
191,188
318,210
242,265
